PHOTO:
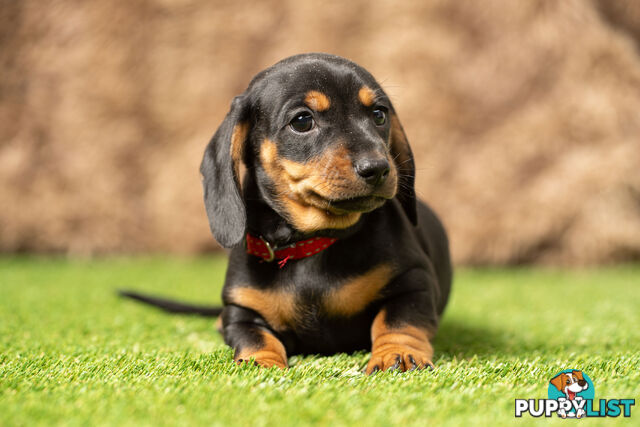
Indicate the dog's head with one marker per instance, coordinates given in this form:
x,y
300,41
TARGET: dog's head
x,y
570,383
323,142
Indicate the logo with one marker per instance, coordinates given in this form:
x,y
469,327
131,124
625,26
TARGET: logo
x,y
573,387
571,394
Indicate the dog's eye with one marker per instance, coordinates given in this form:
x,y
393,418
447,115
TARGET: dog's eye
x,y
379,116
302,122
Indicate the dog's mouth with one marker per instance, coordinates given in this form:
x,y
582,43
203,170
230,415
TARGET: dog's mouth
x,y
347,205
355,204
571,394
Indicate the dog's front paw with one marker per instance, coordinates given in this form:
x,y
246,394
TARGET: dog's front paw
x,y
269,353
264,359
398,358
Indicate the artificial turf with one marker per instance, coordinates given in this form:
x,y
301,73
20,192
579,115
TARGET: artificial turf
x,y
73,353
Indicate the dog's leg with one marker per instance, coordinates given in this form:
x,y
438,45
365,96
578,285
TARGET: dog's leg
x,y
247,333
401,334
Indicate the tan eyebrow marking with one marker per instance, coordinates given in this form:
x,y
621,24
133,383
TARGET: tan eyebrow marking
x,y
317,101
366,96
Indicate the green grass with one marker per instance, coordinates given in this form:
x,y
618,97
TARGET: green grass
x,y
72,353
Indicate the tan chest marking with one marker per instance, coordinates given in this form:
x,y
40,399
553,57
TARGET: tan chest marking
x,y
356,293
278,308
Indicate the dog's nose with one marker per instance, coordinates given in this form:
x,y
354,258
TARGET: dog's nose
x,y
373,171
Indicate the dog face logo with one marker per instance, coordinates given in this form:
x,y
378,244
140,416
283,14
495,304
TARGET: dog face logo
x,y
571,385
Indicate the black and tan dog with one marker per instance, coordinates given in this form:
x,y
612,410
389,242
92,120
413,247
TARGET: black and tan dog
x,y
331,252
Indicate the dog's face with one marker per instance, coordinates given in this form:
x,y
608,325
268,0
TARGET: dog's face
x,y
323,141
570,383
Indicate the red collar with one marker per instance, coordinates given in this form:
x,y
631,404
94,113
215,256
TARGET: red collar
x,y
304,248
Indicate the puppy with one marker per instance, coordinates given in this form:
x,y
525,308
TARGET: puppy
x,y
330,250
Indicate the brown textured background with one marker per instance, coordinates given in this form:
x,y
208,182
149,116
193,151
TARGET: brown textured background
x,y
524,116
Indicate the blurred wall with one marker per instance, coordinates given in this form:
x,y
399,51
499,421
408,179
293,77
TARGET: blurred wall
x,y
524,116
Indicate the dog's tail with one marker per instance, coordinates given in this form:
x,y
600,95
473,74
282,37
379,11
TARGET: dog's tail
x,y
173,306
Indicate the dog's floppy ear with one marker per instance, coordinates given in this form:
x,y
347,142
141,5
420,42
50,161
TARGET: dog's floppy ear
x,y
558,382
220,176
403,158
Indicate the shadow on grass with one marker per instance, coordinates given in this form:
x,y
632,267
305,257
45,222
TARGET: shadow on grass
x,y
461,340
456,339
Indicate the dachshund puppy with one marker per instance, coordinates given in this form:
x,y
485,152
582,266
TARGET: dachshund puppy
x,y
330,250
338,254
